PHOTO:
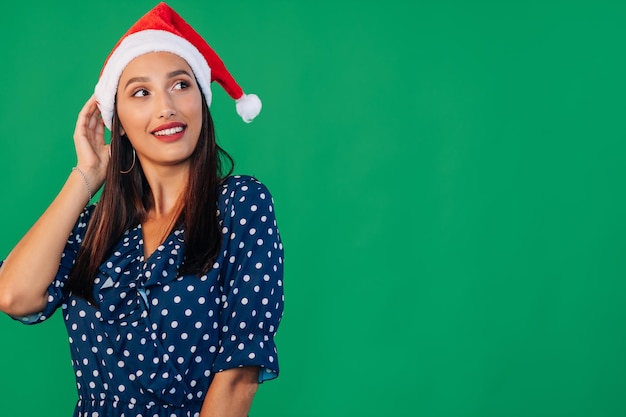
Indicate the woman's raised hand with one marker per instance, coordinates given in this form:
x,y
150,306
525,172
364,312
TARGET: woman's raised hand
x,y
91,150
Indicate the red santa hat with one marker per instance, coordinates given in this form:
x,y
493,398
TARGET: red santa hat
x,y
163,30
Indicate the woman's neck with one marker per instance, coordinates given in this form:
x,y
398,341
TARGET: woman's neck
x,y
168,185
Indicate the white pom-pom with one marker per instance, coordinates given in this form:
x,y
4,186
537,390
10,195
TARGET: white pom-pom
x,y
248,107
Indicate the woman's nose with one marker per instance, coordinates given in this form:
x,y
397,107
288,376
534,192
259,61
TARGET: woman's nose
x,y
167,113
165,107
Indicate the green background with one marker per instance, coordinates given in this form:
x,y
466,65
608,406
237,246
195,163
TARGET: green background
x,y
448,179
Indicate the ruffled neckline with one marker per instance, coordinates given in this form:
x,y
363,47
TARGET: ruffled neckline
x,y
125,277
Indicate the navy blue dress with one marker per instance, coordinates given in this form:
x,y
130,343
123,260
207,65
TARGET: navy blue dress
x,y
158,338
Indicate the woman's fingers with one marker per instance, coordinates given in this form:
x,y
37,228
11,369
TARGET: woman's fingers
x,y
81,121
91,149
99,126
93,120
89,124
87,117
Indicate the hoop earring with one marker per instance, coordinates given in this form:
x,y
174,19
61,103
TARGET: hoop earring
x,y
132,166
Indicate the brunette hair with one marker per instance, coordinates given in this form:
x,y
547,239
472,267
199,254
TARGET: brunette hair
x,y
127,198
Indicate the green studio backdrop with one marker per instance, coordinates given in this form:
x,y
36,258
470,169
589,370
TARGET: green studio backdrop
x,y
448,179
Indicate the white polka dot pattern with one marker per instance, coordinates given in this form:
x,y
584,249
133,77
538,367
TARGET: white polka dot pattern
x,y
158,338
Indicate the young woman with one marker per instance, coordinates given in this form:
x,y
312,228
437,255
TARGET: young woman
x,y
170,286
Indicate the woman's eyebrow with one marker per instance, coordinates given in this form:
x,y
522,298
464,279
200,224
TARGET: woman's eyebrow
x,y
177,73
146,79
137,80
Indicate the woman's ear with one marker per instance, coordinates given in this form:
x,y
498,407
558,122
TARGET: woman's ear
x,y
122,131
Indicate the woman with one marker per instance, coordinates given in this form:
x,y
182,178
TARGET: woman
x,y
171,286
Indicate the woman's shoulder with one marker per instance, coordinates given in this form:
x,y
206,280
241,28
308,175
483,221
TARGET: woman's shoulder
x,y
243,191
237,181
240,184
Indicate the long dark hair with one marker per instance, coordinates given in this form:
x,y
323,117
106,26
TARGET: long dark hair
x,y
127,198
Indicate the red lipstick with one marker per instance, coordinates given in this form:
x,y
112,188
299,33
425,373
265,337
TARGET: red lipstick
x,y
169,132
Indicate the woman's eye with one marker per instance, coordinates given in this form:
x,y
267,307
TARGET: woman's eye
x,y
181,85
140,93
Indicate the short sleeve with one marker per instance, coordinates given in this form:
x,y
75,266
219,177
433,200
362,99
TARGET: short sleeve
x,y
252,276
68,257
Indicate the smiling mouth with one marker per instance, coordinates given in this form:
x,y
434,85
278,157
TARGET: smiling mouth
x,y
170,131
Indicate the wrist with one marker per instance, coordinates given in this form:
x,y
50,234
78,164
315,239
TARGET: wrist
x,y
85,180
95,175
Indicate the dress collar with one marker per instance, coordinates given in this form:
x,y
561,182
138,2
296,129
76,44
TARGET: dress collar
x,y
125,276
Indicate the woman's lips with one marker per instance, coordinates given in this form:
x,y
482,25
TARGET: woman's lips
x,y
170,132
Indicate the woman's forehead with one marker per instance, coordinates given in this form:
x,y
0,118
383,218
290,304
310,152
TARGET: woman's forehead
x,y
154,63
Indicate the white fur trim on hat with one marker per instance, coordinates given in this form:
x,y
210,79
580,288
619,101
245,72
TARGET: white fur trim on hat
x,y
141,43
248,107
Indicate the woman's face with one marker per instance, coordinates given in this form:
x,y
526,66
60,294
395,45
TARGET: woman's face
x,y
159,105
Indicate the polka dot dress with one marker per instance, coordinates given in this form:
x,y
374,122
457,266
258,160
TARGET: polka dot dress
x,y
158,338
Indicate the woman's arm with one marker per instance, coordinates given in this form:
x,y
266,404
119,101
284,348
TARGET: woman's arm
x,y
33,263
231,393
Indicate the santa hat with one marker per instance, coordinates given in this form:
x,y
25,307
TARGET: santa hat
x,y
163,30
